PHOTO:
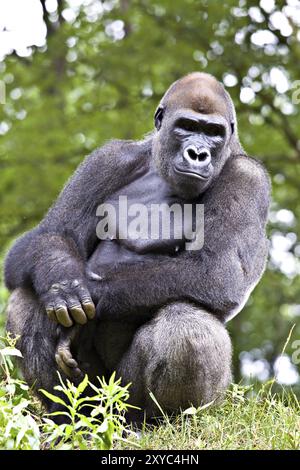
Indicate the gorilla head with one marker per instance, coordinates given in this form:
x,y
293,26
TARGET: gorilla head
x,y
196,132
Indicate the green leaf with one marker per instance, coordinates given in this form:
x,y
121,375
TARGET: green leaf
x,y
190,411
17,409
82,386
10,351
60,413
84,421
11,388
53,398
103,427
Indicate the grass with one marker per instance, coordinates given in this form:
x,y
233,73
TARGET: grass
x,y
250,418
245,421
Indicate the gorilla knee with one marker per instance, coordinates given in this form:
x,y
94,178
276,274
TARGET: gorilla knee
x,y
18,307
184,358
191,357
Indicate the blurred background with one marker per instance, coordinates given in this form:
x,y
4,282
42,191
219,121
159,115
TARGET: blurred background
x,y
74,74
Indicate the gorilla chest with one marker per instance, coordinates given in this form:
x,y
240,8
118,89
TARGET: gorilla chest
x,y
143,218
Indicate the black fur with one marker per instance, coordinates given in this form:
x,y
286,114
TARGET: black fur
x,y
160,311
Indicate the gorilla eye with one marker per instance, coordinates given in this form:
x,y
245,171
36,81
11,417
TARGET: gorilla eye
x,y
188,125
214,130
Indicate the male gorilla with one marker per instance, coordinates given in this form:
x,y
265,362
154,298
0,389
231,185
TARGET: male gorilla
x,y
160,309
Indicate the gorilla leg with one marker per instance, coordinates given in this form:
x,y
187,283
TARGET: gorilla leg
x,y
183,356
27,319
38,342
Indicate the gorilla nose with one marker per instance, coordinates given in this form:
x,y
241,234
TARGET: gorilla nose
x,y
197,157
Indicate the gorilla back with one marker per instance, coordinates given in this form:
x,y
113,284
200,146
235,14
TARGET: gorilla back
x,y
148,308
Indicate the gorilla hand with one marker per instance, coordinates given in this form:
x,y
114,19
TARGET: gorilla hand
x,y
63,355
69,301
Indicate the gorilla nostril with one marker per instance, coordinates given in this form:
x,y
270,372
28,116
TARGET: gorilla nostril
x,y
197,156
192,154
203,156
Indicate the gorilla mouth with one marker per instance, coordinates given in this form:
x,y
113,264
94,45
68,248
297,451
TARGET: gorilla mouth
x,y
191,173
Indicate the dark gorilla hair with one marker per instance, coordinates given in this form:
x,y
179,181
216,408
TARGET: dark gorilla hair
x,y
149,309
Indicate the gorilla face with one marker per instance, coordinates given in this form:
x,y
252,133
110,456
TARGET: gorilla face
x,y
194,128
200,139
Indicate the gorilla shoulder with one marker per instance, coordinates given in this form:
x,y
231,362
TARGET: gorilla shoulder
x,y
122,151
252,170
253,180
110,166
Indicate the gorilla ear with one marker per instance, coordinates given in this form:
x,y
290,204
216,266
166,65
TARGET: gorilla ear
x,y
232,127
158,117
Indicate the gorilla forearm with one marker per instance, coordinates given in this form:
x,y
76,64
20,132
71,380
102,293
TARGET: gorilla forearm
x,y
53,267
17,267
39,259
219,285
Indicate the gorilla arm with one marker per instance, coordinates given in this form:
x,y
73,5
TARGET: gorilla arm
x,y
51,258
220,275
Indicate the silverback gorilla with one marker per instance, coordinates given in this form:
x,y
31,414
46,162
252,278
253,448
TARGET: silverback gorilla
x,y
150,309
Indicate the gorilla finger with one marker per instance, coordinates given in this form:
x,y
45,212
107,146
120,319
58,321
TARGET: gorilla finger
x,y
69,371
66,356
78,314
51,314
62,366
70,362
77,372
63,316
89,308
86,302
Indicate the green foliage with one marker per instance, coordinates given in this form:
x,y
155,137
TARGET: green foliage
x,y
97,431
18,428
3,301
22,426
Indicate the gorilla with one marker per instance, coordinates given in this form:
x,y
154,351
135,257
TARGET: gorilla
x,y
149,309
